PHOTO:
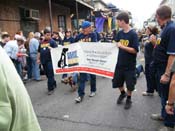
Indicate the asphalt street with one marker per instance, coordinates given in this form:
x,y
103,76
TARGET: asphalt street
x,y
59,112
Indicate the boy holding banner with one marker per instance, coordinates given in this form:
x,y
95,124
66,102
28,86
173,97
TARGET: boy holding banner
x,y
86,36
127,42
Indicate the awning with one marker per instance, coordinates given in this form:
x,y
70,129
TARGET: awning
x,y
85,4
72,4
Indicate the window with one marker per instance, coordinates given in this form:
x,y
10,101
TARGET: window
x,y
62,22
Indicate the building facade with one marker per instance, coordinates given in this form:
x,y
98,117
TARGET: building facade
x,y
35,15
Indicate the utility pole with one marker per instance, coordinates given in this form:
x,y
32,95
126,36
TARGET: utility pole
x,y
92,3
50,14
77,15
91,13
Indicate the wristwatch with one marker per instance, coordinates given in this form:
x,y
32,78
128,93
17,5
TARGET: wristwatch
x,y
169,104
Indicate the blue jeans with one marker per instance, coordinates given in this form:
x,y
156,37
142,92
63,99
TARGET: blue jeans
x,y
48,68
83,79
163,89
18,66
29,67
75,78
35,67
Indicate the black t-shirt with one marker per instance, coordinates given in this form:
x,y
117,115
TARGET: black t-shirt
x,y
148,52
44,50
127,60
167,44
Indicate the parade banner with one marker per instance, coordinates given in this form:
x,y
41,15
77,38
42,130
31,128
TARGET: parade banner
x,y
88,57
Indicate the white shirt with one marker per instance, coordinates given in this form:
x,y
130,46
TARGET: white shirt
x,y
12,49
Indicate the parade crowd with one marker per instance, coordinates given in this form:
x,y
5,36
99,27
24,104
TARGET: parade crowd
x,y
31,57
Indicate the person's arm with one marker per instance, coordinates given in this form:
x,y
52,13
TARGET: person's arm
x,y
53,44
171,98
38,54
72,40
11,49
128,49
165,78
133,48
153,39
38,58
36,45
94,37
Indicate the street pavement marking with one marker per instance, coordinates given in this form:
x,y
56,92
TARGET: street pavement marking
x,y
66,116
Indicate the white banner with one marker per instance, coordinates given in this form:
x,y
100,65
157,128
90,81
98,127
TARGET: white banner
x,y
88,57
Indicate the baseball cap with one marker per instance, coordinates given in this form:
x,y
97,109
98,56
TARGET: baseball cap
x,y
85,24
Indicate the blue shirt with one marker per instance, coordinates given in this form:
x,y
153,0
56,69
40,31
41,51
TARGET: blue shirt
x,y
44,50
58,41
12,49
33,46
127,60
167,44
68,41
98,36
92,37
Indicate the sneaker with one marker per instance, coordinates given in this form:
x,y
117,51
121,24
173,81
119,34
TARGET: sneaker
x,y
50,92
157,117
165,128
79,99
147,94
128,104
120,98
92,94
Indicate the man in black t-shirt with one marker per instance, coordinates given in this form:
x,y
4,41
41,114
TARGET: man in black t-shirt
x,y
127,42
164,55
171,97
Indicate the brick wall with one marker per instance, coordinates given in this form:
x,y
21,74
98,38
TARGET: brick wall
x,y
10,15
